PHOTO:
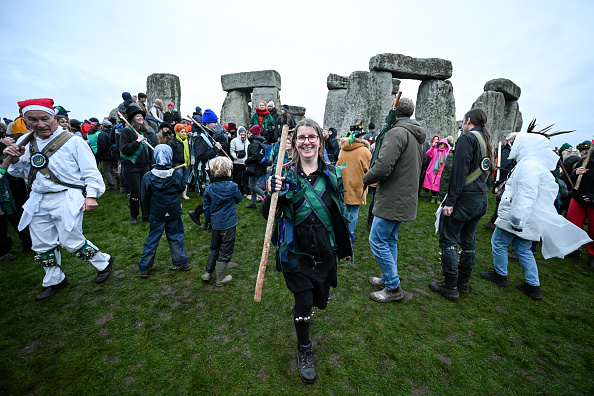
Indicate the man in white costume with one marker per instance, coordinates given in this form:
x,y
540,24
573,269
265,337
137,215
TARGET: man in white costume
x,y
58,168
527,213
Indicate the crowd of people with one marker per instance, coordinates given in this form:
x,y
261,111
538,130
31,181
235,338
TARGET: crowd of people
x,y
52,175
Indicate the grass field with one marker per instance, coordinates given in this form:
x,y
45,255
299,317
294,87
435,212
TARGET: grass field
x,y
175,334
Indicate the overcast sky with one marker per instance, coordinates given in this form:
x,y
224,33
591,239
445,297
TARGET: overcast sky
x,y
85,54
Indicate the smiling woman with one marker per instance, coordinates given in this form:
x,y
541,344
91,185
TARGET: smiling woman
x,y
310,232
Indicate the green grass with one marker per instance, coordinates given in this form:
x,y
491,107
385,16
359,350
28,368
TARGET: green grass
x,y
174,334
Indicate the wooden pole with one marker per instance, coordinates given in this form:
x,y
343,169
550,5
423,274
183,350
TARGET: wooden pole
x,y
131,127
579,179
271,217
8,160
397,100
498,166
210,137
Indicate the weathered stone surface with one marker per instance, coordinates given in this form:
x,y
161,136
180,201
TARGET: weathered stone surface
x,y
114,113
334,111
163,86
519,122
236,108
247,81
297,112
334,81
402,66
266,94
493,103
368,99
436,108
507,87
511,115
395,85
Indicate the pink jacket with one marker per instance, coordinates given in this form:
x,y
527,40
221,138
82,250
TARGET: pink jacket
x,y
433,175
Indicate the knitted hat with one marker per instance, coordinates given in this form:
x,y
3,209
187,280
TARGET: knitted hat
x,y
285,108
231,127
270,104
126,96
198,109
255,129
209,116
240,129
165,125
132,110
179,127
106,123
371,125
172,104
43,104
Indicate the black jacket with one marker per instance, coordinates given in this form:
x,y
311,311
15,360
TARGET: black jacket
x,y
178,151
255,153
172,117
106,148
332,149
467,158
203,150
159,194
280,122
129,145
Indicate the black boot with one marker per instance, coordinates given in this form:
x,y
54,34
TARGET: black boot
x,y
49,291
531,291
447,288
494,277
305,363
463,278
194,216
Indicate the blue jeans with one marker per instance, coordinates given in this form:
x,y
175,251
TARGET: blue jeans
x,y
383,240
253,181
353,212
185,172
175,237
500,240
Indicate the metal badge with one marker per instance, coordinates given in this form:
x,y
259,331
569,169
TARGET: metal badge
x,y
39,160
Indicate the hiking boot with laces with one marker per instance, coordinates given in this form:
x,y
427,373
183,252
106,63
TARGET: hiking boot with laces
x,y
49,291
531,291
305,364
377,282
387,295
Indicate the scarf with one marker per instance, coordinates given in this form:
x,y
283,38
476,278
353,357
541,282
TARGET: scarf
x,y
262,114
184,140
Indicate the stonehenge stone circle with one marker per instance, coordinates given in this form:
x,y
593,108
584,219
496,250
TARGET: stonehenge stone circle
x,y
402,66
163,86
236,108
493,103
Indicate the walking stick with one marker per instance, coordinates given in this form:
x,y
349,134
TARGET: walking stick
x,y
568,175
8,160
271,216
579,179
131,127
498,166
210,137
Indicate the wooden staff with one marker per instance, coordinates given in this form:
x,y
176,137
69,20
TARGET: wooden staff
x,y
271,216
131,127
210,137
498,166
568,175
397,100
8,160
579,179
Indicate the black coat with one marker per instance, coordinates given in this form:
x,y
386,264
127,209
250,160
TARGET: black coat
x,y
255,153
160,195
106,147
178,151
172,117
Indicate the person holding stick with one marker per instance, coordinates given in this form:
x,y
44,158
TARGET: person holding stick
x,y
310,233
63,183
135,157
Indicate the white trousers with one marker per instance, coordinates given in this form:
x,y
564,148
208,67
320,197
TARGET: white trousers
x,y
48,232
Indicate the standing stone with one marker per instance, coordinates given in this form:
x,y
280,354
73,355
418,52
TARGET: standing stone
x,y
334,111
114,113
297,112
511,115
402,66
236,108
493,103
436,108
163,86
266,94
507,87
368,98
395,85
247,81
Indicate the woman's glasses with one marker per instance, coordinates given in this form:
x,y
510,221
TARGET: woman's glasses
x,y
311,138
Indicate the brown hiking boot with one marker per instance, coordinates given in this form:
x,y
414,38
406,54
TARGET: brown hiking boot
x,y
387,295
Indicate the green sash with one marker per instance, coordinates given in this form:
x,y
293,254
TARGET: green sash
x,y
132,158
313,203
